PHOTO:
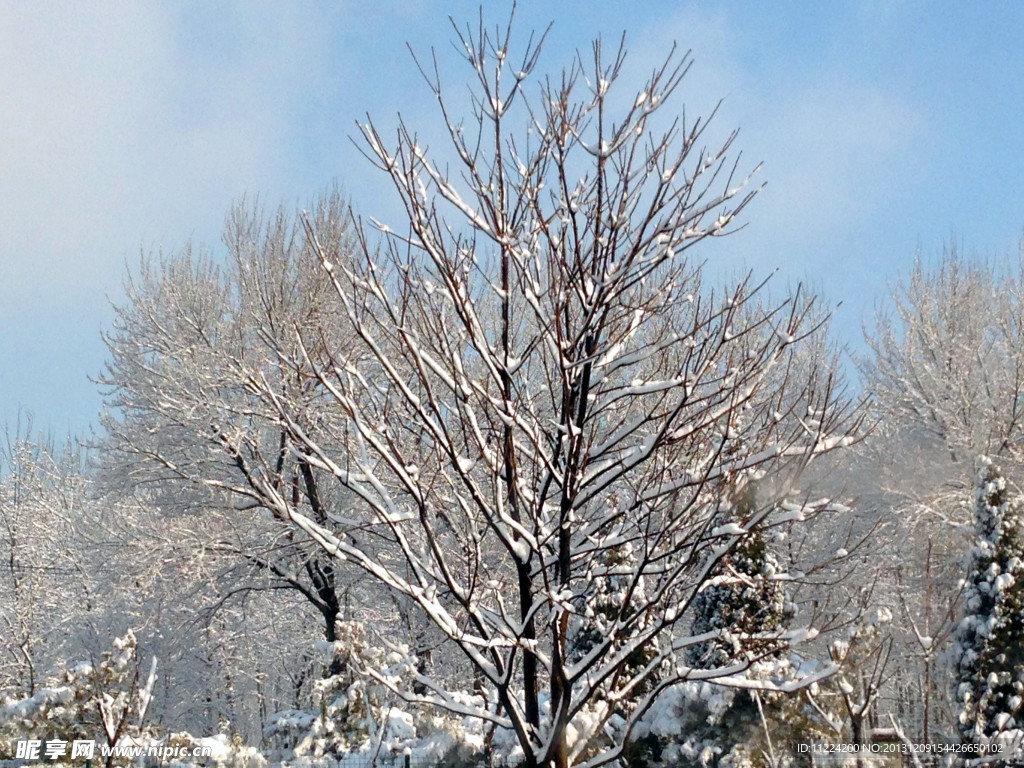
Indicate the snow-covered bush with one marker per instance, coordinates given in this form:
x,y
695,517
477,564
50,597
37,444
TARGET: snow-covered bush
x,y
225,752
353,710
990,637
103,701
702,723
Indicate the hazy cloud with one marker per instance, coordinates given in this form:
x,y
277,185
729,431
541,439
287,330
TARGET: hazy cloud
x,y
128,124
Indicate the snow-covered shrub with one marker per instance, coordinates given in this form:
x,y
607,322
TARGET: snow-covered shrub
x,y
354,708
102,701
989,649
225,752
702,723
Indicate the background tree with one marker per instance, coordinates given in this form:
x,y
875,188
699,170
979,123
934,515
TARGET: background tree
x,y
947,362
178,344
224,594
50,570
945,372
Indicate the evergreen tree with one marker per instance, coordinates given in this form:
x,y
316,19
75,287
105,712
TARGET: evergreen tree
x,y
742,598
717,725
615,594
990,637
749,606
743,601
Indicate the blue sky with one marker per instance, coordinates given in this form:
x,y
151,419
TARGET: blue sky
x,y
884,128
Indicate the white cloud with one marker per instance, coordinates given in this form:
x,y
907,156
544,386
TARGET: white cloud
x,y
833,156
834,141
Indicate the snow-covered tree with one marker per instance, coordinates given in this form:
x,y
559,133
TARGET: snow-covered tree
x,y
352,711
611,586
946,374
226,596
743,598
189,333
948,360
521,399
990,637
50,573
537,377
183,344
